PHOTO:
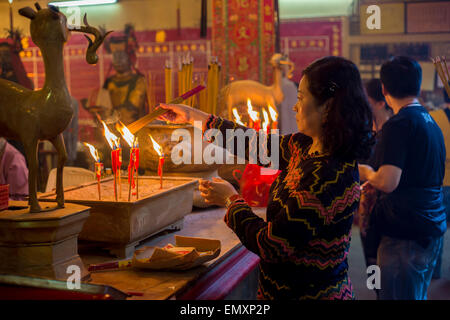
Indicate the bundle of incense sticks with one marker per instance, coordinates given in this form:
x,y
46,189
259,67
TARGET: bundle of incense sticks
x,y
185,75
441,67
142,122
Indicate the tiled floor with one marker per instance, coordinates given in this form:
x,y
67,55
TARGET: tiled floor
x,y
438,290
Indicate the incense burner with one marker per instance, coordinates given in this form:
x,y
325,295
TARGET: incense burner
x,y
120,225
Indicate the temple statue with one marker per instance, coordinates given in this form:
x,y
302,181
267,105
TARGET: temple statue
x,y
123,95
11,66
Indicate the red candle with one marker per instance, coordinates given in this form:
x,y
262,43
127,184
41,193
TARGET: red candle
x,y
257,125
119,166
116,155
134,158
136,166
98,172
98,167
114,161
133,170
160,153
160,170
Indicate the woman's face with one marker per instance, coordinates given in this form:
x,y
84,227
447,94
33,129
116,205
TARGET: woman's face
x,y
376,106
309,115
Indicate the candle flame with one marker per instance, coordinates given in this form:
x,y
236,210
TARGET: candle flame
x,y
237,117
126,134
273,113
93,151
156,146
253,114
113,141
266,120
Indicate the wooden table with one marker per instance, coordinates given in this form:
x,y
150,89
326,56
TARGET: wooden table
x,y
214,280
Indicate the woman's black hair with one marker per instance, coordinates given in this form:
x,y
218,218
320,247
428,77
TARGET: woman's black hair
x,y
347,129
374,90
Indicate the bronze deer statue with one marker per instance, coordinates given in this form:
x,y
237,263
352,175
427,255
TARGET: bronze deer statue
x,y
30,116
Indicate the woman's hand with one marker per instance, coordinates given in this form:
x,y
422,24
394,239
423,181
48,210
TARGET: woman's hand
x,y
216,191
365,171
180,113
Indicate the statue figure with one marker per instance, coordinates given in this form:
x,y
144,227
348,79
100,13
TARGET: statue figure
x,y
12,68
30,116
123,96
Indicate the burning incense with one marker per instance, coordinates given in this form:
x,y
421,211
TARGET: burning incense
x,y
142,122
160,153
98,166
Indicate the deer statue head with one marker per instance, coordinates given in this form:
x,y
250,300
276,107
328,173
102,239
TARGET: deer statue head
x,y
49,26
279,60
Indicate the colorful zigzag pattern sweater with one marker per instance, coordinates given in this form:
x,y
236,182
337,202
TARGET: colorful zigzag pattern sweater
x,y
304,242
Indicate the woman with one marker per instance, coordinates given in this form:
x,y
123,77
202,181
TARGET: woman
x,y
304,243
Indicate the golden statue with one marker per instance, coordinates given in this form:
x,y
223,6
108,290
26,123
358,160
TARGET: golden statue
x,y
236,93
30,116
123,96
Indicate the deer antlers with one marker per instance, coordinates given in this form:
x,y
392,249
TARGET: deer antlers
x,y
100,35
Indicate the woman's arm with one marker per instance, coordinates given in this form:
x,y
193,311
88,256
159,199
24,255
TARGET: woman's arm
x,y
319,206
244,142
278,240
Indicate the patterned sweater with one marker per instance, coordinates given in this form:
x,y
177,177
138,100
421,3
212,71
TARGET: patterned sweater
x,y
304,242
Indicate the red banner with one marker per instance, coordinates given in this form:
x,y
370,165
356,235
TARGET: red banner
x,y
243,38
306,41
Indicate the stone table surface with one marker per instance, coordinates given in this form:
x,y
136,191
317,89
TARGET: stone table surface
x,y
159,285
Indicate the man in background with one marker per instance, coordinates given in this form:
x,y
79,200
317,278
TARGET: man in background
x,y
410,214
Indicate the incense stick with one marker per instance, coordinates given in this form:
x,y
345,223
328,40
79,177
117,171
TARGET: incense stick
x,y
442,75
142,122
446,68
